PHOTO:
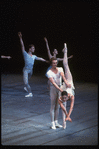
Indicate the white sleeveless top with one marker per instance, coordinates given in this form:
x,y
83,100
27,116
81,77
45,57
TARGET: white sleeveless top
x,y
57,77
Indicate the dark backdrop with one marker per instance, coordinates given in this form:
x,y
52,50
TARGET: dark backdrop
x,y
74,23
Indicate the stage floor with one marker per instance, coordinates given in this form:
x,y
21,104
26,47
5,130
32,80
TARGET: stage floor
x,y
26,121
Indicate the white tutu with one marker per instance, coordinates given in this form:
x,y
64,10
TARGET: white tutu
x,y
68,90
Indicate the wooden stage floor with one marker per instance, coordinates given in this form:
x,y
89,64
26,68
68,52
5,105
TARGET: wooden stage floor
x,y
26,121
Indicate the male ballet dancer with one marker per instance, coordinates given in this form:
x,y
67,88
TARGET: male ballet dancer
x,y
70,91
55,75
29,62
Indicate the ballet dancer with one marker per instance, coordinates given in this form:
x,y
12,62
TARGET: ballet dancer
x,y
62,102
69,79
29,62
55,52
55,76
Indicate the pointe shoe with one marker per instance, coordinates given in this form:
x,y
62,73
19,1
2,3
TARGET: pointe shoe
x,y
64,125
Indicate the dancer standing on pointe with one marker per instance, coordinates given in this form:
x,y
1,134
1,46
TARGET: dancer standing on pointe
x,y
69,94
29,62
55,76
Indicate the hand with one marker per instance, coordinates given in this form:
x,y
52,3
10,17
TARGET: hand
x,y
70,56
45,39
19,34
68,119
8,57
68,85
61,90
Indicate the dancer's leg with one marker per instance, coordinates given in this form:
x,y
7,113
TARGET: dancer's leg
x,y
56,109
57,106
53,98
68,74
30,74
25,79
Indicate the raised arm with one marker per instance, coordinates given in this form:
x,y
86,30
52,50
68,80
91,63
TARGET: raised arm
x,y
48,50
52,81
21,41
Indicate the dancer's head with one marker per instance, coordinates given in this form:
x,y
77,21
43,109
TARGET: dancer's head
x,y
64,95
53,62
31,48
55,52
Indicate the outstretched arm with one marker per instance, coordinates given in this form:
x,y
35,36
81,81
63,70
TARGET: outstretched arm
x,y
48,50
61,59
2,56
70,57
42,59
21,41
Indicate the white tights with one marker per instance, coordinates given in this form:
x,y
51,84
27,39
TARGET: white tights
x,y
68,74
54,110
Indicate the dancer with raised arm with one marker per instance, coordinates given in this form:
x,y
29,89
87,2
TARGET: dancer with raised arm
x,y
29,62
55,76
69,94
55,52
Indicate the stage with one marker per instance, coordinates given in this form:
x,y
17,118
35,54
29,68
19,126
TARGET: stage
x,y
26,121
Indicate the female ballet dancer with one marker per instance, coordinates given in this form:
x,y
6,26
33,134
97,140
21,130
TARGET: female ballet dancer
x,y
55,52
69,91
